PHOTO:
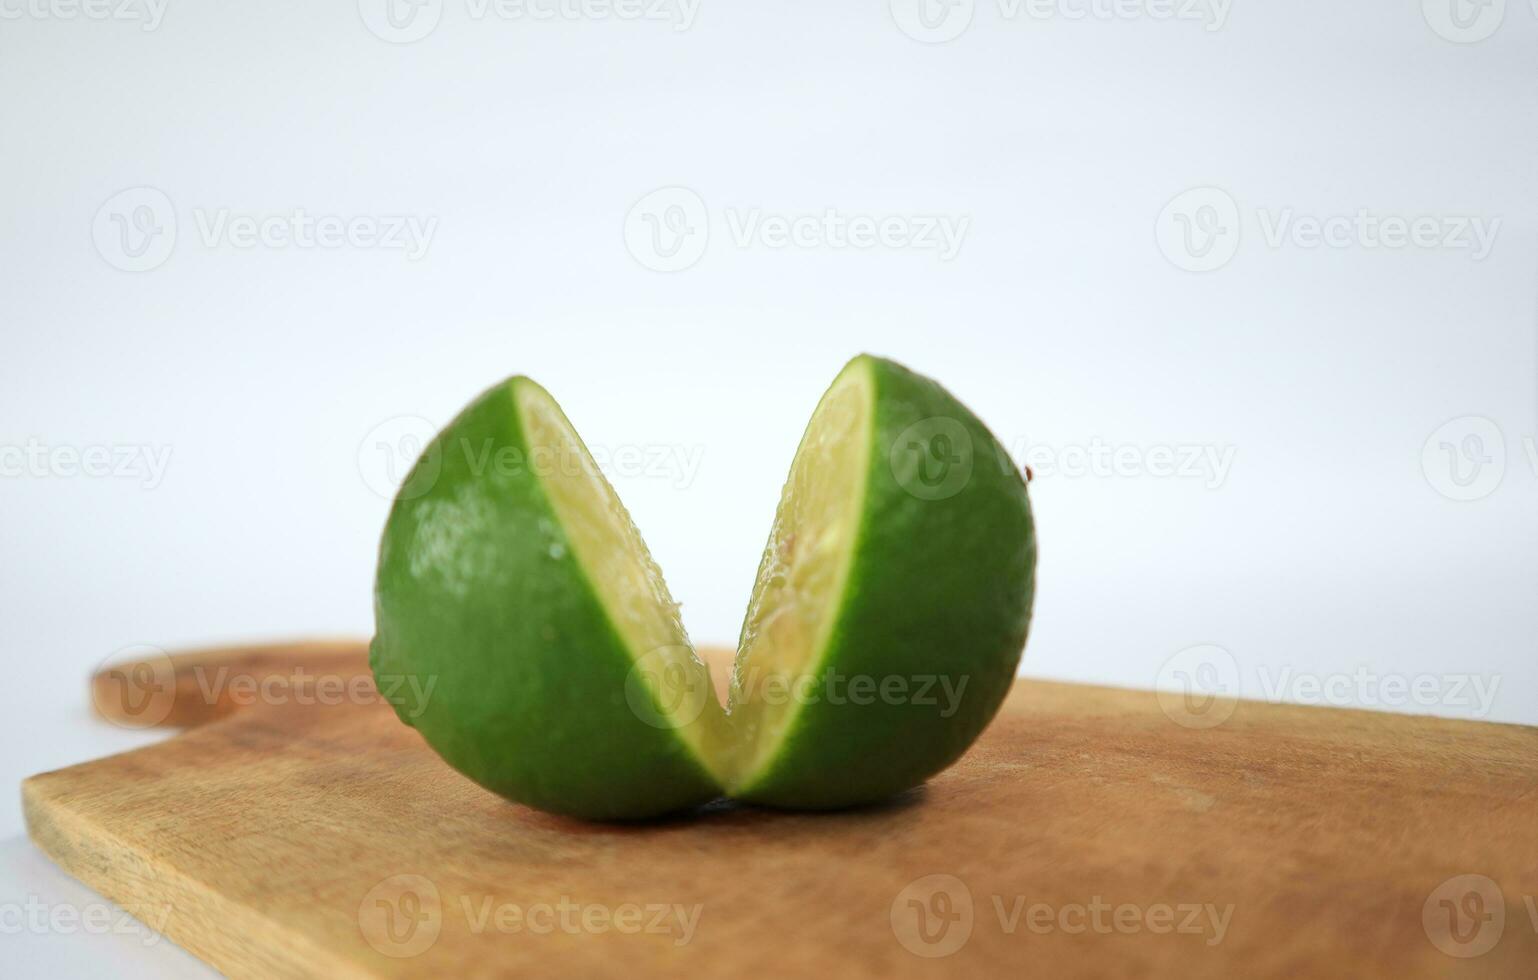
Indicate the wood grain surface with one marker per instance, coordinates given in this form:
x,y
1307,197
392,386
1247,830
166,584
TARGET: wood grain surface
x,y
299,830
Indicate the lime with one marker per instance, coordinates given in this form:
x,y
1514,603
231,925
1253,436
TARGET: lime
x,y
525,630
528,635
892,601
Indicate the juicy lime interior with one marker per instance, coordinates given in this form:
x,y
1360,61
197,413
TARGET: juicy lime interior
x,y
621,570
801,578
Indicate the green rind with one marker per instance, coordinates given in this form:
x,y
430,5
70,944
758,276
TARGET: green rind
x,y
479,593
937,587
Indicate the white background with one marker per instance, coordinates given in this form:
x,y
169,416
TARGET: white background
x,y
1069,318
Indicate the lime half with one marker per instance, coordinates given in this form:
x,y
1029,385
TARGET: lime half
x,y
892,600
525,630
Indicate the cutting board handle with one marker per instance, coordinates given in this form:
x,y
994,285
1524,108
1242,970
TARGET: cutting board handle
x,y
191,688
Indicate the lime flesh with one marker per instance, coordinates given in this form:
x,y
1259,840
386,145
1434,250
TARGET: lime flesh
x,y
628,582
801,575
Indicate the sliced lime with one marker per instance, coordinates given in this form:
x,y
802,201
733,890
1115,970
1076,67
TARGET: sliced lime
x,y
516,585
892,600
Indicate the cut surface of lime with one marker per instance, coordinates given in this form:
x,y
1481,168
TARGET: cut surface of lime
x,y
802,573
669,685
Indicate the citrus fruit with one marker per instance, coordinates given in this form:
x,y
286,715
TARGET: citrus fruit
x,y
546,659
545,656
892,601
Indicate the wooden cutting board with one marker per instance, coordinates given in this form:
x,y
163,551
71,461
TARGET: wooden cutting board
x,y
1091,832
